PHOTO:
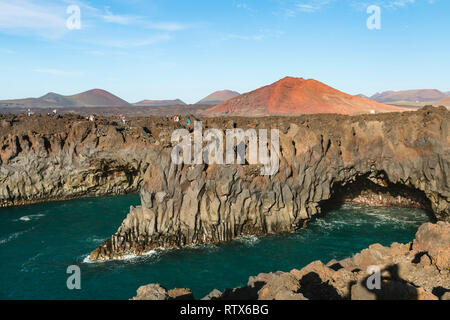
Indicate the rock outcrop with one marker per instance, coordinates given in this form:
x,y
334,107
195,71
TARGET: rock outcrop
x,y
397,159
45,158
391,159
415,271
159,293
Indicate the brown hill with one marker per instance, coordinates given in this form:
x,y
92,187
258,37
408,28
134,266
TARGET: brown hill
x,y
409,95
219,97
297,96
160,103
98,98
91,98
443,102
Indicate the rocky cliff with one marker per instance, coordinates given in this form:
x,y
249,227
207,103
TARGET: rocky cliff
x,y
389,159
413,271
46,158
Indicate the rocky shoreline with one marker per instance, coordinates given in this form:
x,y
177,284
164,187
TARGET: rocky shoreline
x,y
396,159
324,159
419,270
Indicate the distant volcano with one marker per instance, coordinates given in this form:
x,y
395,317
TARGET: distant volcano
x,y
160,103
422,95
218,97
91,98
297,96
98,98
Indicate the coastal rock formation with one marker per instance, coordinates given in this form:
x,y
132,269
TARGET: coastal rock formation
x,y
415,271
156,292
389,159
48,158
399,159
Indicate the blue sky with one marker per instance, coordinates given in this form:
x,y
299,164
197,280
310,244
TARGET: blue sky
x,y
167,49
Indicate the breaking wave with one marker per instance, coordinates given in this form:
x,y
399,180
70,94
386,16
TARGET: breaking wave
x,y
14,236
31,217
249,241
128,257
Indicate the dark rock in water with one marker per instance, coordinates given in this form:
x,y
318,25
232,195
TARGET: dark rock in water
x,y
403,276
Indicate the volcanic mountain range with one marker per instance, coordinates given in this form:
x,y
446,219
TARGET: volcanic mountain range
x,y
219,97
286,96
423,95
91,98
160,103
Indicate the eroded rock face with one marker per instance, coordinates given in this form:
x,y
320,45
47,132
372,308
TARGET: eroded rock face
x,y
405,156
158,293
434,240
44,158
407,273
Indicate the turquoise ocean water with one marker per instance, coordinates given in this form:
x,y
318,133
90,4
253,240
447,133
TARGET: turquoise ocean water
x,y
39,242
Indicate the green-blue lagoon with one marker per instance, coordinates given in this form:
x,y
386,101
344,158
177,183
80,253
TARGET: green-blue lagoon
x,y
39,242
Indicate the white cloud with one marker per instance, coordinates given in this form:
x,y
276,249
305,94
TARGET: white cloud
x,y
134,43
388,4
140,21
166,26
312,5
245,6
399,3
255,37
108,16
25,16
30,17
